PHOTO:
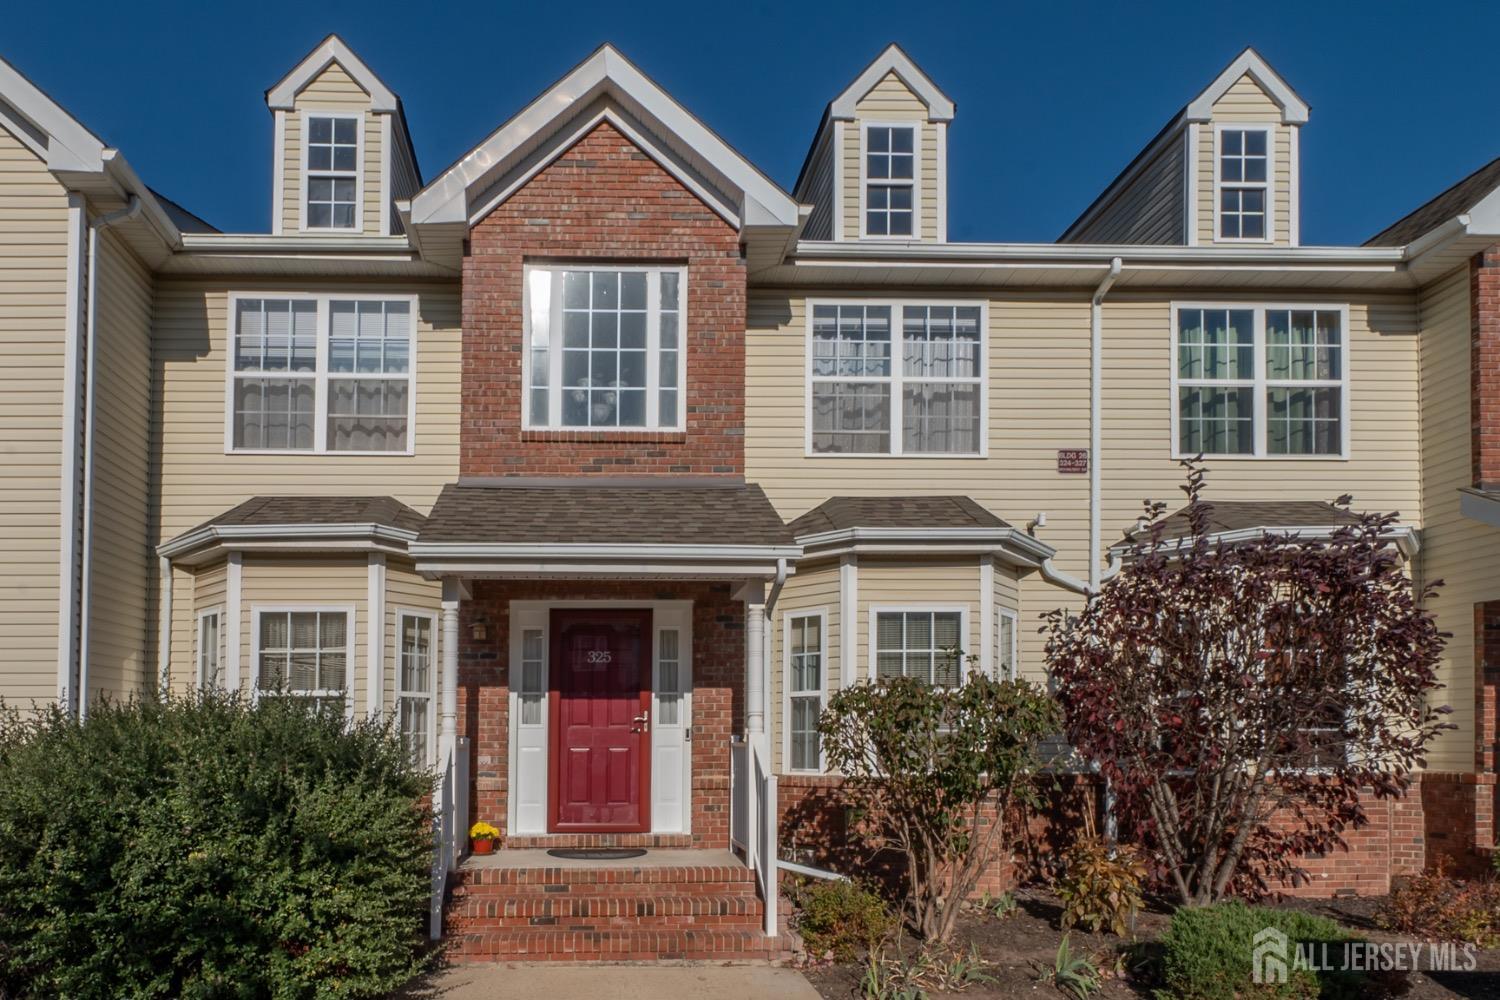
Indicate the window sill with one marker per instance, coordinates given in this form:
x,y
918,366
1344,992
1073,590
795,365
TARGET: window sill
x,y
625,435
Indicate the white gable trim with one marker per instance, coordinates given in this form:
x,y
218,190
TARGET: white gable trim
x,y
606,72
893,60
332,49
1293,108
51,132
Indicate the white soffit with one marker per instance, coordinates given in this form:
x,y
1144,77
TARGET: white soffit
x,y
893,60
332,49
605,73
1293,108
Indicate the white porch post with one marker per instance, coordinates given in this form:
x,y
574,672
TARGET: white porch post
x,y
755,679
448,683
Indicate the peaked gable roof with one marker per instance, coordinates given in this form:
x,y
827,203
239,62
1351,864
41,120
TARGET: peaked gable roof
x,y
332,49
1474,195
1249,62
683,145
893,60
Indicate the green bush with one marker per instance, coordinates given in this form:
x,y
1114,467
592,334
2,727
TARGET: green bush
x,y
1206,954
840,918
208,848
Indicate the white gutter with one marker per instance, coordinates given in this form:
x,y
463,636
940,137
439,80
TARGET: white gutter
x,y
90,424
1096,408
221,533
1093,254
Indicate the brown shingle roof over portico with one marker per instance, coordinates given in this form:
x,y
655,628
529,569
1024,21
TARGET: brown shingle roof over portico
x,y
839,513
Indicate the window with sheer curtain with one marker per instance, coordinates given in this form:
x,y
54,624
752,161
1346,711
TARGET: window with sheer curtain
x,y
880,368
414,685
919,643
303,654
321,374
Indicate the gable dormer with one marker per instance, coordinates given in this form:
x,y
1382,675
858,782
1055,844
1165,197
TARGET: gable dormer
x,y
1224,172
342,153
878,166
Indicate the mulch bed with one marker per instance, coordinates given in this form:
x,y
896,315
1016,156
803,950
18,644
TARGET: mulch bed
x,y
1021,945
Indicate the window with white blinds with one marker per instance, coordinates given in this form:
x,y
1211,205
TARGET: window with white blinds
x,y
321,374
303,654
927,645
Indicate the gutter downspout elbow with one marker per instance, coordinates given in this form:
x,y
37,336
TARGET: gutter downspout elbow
x,y
91,368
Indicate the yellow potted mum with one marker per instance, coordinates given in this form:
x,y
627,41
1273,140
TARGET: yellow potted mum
x,y
484,837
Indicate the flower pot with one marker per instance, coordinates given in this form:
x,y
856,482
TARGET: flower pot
x,y
485,846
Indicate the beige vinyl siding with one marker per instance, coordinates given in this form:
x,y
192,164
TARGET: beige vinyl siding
x,y
818,191
405,590
1461,552
313,583
1007,597
891,101
1038,403
1246,102
901,583
1150,209
123,566
33,308
331,90
199,480
814,587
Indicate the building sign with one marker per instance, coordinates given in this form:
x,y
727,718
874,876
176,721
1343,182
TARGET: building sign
x,y
1072,460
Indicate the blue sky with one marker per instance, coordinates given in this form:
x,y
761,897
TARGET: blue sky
x,y
1053,98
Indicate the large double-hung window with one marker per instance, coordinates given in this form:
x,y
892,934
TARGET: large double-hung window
x,y
324,373
892,378
1268,382
605,347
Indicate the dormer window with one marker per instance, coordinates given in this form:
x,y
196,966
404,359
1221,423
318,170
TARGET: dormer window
x,y
890,180
1244,185
332,175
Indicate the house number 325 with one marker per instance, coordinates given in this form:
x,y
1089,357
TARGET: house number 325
x,y
601,656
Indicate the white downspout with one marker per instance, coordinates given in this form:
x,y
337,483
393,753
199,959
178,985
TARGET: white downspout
x,y
1096,406
91,336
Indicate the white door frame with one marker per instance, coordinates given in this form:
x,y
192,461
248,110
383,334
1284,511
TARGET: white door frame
x,y
530,745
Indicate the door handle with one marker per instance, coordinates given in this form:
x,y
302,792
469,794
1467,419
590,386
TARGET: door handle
x,y
644,721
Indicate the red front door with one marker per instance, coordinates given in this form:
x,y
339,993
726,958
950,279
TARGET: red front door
x,y
600,772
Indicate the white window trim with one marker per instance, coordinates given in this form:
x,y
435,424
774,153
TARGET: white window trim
x,y
873,620
358,117
217,611
1003,615
653,347
1270,129
898,334
320,374
1260,383
820,613
350,631
916,178
403,613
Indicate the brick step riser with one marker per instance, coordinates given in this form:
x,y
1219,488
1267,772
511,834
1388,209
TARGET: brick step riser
x,y
607,876
483,925
591,909
614,946
604,890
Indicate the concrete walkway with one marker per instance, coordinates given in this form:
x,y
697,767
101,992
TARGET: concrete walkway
x,y
615,982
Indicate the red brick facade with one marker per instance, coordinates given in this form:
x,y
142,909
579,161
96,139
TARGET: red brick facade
x,y
602,201
718,673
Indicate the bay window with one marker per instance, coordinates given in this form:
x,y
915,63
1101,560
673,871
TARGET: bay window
x,y
804,685
1261,381
920,643
321,374
605,348
304,654
890,378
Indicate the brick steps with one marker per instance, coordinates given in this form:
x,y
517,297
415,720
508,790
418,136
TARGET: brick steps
x,y
615,945
609,913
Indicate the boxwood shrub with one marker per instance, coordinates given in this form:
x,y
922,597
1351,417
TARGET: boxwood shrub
x,y
1206,954
207,847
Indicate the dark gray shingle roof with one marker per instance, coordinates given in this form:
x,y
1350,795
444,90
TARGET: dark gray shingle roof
x,y
1453,202
1240,515
838,513
672,512
301,510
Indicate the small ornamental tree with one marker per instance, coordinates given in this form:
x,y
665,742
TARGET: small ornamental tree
x,y
1239,696
935,771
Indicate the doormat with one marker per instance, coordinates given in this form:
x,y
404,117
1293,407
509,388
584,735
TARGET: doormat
x,y
596,853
